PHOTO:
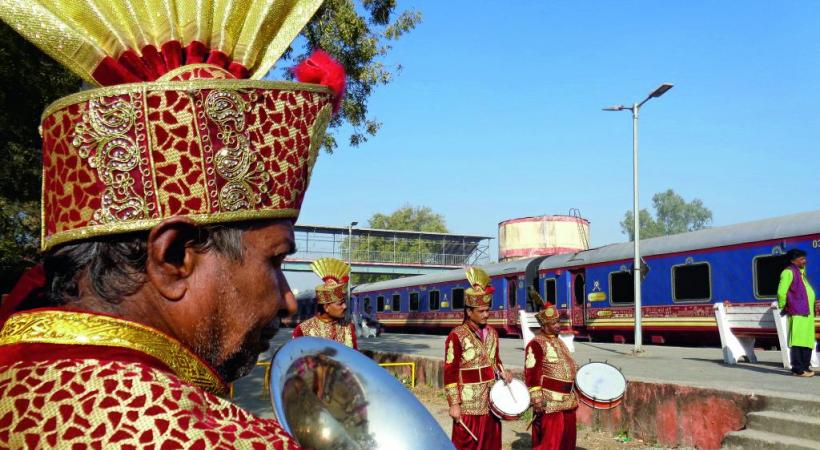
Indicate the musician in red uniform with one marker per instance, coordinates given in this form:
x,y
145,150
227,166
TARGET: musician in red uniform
x,y
471,362
549,372
331,296
168,204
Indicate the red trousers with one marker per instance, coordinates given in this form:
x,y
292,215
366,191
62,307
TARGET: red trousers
x,y
554,431
486,428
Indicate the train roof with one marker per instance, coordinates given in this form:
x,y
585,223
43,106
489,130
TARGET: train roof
x,y
801,224
495,269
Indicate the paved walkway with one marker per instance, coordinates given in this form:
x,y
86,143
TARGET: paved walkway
x,y
700,366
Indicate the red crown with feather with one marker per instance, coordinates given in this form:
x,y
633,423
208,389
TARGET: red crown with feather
x,y
183,125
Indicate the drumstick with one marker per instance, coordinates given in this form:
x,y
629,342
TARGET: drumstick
x,y
501,375
468,430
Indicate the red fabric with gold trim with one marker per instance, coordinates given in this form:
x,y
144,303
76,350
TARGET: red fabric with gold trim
x,y
55,396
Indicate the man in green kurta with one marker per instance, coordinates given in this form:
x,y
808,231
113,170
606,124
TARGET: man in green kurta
x,y
795,297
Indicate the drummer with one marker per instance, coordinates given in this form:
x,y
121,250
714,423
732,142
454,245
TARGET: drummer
x,y
549,372
470,366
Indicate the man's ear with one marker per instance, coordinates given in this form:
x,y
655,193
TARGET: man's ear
x,y
171,258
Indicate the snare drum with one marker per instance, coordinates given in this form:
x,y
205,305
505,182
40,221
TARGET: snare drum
x,y
600,385
509,401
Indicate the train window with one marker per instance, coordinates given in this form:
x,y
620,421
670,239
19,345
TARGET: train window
x,y
621,287
380,303
691,282
550,290
434,300
512,291
367,307
396,303
458,299
414,301
767,274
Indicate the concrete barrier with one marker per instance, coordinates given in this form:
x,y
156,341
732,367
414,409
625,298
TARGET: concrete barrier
x,y
669,414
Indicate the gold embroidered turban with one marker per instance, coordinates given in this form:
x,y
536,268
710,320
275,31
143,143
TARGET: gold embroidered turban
x,y
480,292
335,275
183,125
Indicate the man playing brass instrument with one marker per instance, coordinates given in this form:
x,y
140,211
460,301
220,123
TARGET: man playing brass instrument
x,y
168,204
470,364
331,296
549,372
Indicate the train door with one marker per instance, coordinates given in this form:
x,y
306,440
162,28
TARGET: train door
x,y
579,298
511,304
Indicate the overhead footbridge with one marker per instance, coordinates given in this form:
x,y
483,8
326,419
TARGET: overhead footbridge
x,y
392,252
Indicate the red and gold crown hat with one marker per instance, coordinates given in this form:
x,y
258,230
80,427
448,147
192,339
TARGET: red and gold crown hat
x,y
335,275
183,125
480,292
548,313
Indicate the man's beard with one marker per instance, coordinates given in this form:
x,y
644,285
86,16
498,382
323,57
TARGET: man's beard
x,y
236,365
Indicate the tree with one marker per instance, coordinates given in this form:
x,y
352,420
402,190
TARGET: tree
x,y
406,218
673,215
358,42
31,80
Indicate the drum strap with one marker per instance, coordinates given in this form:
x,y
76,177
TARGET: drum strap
x,y
478,375
565,387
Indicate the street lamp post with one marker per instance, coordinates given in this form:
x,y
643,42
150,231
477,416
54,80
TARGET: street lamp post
x,y
636,264
350,263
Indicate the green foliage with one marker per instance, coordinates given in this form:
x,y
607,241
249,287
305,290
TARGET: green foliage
x,y
673,215
31,80
407,218
359,35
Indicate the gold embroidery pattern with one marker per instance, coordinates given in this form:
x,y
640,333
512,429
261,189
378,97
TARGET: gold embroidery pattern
x,y
235,162
73,328
450,353
529,362
334,331
557,364
475,354
87,403
214,151
103,139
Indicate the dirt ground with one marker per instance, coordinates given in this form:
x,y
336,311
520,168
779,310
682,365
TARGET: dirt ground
x,y
515,434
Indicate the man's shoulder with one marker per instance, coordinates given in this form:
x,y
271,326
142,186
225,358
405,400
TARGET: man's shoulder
x,y
459,331
120,403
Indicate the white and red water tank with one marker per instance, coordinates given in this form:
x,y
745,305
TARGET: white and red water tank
x,y
541,236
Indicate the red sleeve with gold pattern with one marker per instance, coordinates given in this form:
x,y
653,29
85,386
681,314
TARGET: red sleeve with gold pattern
x,y
452,360
532,372
353,335
297,332
497,355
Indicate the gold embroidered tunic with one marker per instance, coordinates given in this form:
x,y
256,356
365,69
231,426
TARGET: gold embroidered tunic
x,y
549,372
333,330
470,364
79,380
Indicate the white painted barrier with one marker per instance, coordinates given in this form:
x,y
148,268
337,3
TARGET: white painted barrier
x,y
737,326
782,323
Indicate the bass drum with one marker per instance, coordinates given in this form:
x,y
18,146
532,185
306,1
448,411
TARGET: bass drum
x,y
329,396
600,385
509,401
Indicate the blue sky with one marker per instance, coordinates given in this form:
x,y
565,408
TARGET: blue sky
x,y
497,114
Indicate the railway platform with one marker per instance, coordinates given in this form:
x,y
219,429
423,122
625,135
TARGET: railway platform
x,y
677,396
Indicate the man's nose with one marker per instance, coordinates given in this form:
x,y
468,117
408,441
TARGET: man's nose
x,y
290,306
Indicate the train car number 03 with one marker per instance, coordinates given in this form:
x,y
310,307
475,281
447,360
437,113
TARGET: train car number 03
x,y
815,243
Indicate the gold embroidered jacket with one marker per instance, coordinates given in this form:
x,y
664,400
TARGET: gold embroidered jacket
x,y
78,380
469,368
335,331
549,372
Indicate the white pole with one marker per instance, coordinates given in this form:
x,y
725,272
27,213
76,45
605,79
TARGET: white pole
x,y
350,263
636,271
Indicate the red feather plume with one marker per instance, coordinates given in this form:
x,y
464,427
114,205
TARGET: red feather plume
x,y
321,68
